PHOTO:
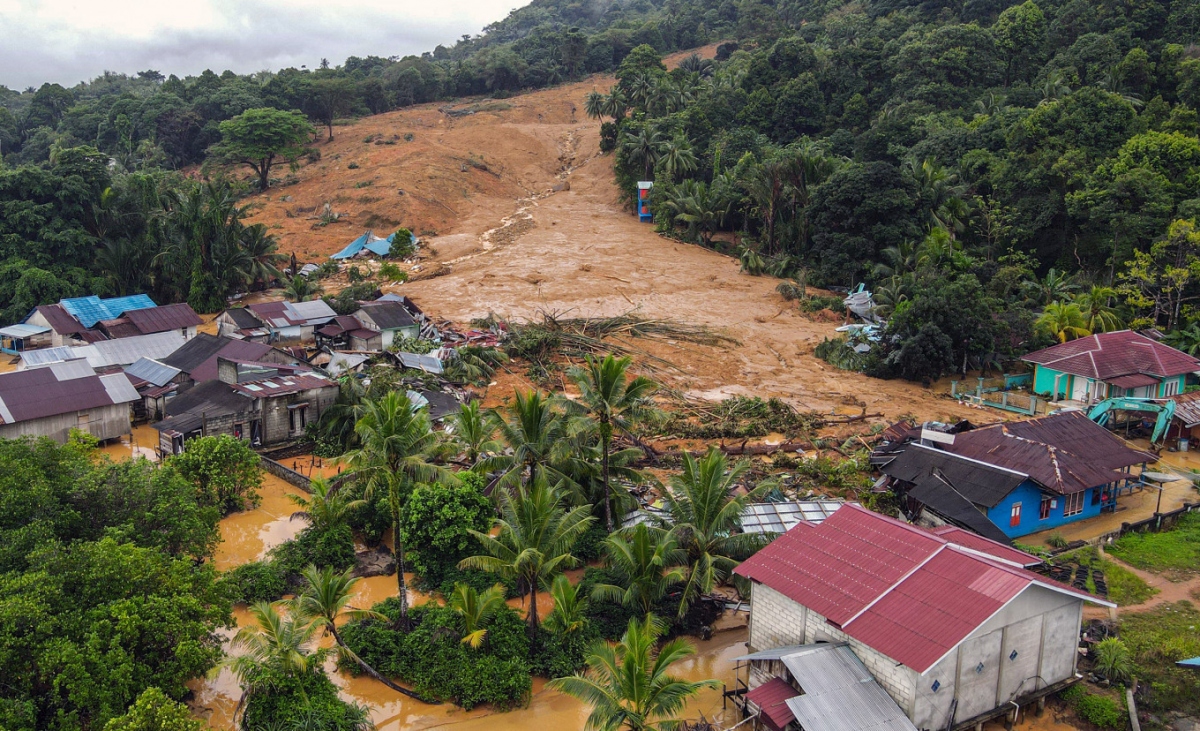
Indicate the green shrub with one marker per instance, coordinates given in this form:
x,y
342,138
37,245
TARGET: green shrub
x,y
560,654
371,520
346,301
334,547
355,274
1056,540
392,273
437,521
1175,552
225,471
1098,710
309,700
256,581
817,303
420,346
403,245
1113,661
432,658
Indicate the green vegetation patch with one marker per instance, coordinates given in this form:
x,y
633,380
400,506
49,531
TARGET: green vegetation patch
x,y
1124,587
1101,711
1158,639
1174,553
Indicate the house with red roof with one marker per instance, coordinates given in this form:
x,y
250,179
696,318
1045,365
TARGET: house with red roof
x,y
955,628
1110,365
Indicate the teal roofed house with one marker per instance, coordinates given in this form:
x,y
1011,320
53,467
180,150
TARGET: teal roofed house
x,y
90,310
1110,365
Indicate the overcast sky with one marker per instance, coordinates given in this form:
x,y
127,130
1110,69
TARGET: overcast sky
x,y
68,41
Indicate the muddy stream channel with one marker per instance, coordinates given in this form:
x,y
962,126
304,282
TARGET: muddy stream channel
x,y
247,536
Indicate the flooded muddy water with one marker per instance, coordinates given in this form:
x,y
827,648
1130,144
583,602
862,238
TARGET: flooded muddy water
x,y
247,536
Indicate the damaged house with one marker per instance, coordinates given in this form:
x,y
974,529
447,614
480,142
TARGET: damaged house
x,y
866,622
263,403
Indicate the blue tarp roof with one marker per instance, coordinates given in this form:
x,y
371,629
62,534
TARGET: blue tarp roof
x,y
368,241
1190,663
91,309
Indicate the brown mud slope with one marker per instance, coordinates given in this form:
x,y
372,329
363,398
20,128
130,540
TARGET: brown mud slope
x,y
527,220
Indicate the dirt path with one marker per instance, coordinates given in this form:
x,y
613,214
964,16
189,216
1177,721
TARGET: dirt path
x,y
524,215
1169,592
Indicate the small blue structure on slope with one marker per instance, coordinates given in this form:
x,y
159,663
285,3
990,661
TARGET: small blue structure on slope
x,y
643,203
367,242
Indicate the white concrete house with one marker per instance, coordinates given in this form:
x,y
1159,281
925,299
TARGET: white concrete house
x,y
953,626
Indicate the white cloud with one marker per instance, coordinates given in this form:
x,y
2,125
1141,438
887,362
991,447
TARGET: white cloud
x,y
67,41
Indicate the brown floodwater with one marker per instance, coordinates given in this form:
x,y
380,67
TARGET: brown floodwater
x,y
141,443
248,535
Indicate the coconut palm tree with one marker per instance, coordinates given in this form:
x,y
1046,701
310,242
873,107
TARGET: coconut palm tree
x,y
325,600
1098,315
476,610
533,542
474,364
533,432
705,520
700,207
327,508
279,642
570,607
693,64
593,105
300,288
395,441
677,157
1055,286
615,104
644,148
473,431
646,562
630,687
1064,321
262,255
614,401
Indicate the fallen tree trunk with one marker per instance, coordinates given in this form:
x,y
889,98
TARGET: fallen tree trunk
x,y
765,448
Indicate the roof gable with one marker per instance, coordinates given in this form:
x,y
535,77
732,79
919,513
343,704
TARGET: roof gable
x,y
1105,356
161,319
906,592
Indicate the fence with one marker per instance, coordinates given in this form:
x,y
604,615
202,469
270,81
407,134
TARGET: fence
x,y
1019,402
1153,524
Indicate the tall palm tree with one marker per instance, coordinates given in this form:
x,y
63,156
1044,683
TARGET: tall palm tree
x,y
609,396
768,188
533,432
476,611
630,687
1063,320
325,600
615,104
1055,286
327,508
533,542
570,607
647,564
263,256
644,147
677,156
705,520
1098,315
395,441
473,431
593,105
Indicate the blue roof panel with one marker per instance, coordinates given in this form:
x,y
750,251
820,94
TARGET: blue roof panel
x,y
91,309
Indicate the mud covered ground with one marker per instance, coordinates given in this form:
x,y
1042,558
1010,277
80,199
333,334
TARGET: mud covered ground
x,y
524,215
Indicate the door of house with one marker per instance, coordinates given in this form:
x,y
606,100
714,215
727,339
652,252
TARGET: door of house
x,y
1014,518
1079,388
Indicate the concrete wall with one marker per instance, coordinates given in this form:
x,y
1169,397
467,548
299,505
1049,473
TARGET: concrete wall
x,y
1030,497
277,418
1029,644
1070,386
102,422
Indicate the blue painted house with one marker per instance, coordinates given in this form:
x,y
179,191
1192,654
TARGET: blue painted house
x,y
1110,365
1011,479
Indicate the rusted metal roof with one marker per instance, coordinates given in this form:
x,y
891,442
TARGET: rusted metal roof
x,y
161,319
904,591
198,356
40,392
1105,356
1187,408
281,385
1064,453
63,322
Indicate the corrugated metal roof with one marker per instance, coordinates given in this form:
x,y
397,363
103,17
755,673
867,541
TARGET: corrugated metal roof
x,y
840,694
427,363
782,517
312,312
198,356
22,330
341,362
161,319
59,319
45,356
1064,453
119,389
152,371
995,549
91,309
1187,408
771,698
108,353
903,591
978,481
70,369
281,385
1106,356
40,392
387,315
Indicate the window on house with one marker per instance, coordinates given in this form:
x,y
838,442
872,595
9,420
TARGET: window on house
x,y
1044,508
1170,388
1073,504
239,431
1014,518
298,416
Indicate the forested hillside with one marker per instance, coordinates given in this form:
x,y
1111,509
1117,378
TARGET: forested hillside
x,y
1000,174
